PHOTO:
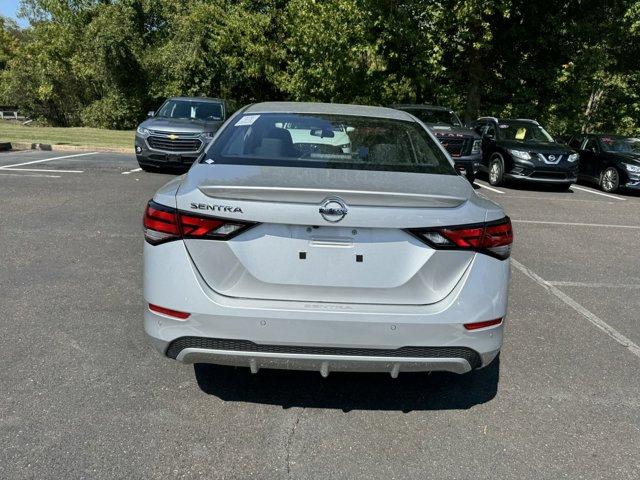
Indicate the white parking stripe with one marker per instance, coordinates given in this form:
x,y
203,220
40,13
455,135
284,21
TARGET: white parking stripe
x,y
42,170
588,190
47,160
603,225
132,171
28,175
591,317
483,185
594,285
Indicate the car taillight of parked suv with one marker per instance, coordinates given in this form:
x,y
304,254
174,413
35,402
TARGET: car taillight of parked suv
x,y
521,150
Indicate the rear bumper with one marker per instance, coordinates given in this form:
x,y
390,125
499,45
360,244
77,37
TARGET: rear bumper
x,y
324,359
324,364
322,336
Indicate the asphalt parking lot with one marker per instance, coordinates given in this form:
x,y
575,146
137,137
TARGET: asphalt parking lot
x,y
85,396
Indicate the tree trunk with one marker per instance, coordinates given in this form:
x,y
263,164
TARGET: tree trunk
x,y
592,106
474,96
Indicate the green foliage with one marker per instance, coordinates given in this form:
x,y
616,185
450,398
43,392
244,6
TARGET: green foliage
x,y
212,48
571,64
113,111
9,35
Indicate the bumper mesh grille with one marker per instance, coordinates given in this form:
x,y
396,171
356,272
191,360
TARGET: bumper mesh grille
x,y
177,145
181,343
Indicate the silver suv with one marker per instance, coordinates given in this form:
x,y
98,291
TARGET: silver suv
x,y
178,132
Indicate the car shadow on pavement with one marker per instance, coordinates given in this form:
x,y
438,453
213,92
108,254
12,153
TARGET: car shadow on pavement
x,y
529,186
351,391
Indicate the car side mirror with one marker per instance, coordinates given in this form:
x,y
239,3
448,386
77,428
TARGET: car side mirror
x,y
151,113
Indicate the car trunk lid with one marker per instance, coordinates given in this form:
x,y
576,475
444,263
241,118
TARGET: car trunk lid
x,y
296,253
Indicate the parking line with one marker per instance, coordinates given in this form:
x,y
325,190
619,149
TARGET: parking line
x,y
574,224
488,187
43,170
132,171
588,190
46,160
591,317
28,175
594,285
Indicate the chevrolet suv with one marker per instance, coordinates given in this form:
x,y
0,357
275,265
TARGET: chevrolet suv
x,y
175,135
520,149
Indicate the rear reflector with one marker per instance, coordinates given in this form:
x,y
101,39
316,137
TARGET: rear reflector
x,y
493,238
484,324
162,224
168,312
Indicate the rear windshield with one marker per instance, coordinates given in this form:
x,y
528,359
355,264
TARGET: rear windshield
x,y
191,109
328,141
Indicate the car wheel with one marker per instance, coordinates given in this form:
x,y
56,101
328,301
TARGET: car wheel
x,y
610,180
496,171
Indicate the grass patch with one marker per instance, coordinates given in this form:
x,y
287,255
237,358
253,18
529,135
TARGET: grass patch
x,y
80,136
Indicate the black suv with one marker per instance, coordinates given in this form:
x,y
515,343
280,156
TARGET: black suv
x,y
462,143
611,161
520,149
175,135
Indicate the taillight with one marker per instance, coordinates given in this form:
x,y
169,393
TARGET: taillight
x,y
493,238
169,312
162,224
483,324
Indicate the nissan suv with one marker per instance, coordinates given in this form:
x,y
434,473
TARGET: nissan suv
x,y
520,149
462,143
175,135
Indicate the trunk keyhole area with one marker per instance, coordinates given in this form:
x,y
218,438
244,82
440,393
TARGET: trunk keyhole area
x,y
359,258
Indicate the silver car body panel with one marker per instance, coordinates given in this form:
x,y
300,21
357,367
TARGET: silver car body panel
x,y
263,262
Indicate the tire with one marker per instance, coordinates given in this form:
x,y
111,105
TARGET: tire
x,y
496,171
610,180
563,187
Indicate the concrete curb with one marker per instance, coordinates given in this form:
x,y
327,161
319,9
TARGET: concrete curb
x,y
66,148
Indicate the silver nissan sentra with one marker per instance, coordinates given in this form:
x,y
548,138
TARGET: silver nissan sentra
x,y
326,237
